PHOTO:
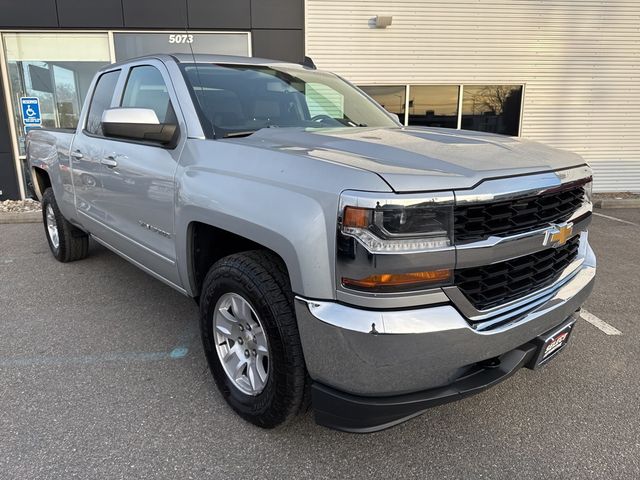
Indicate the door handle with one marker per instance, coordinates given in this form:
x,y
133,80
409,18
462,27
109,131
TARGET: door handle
x,y
109,161
77,154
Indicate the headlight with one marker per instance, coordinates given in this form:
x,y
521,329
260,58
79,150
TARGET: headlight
x,y
390,226
376,232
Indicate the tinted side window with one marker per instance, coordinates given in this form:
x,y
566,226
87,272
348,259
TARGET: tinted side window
x,y
101,100
146,89
492,108
392,98
434,105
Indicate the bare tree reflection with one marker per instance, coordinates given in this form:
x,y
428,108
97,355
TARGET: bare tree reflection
x,y
493,108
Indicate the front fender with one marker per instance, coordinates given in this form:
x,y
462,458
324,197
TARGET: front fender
x,y
295,226
281,199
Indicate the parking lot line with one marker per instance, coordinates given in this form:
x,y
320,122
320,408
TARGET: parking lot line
x,y
179,350
111,357
616,219
601,324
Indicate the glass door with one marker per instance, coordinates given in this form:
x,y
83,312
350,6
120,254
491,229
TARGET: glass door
x,y
56,69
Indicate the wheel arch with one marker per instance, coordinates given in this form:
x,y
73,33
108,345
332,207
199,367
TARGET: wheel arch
x,y
41,181
297,226
206,243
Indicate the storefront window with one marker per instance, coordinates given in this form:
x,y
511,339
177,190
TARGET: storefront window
x,y
55,68
433,105
492,108
130,45
392,98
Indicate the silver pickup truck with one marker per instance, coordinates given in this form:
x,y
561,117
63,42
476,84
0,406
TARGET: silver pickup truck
x,y
340,260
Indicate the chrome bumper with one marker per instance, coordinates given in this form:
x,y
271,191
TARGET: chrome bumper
x,y
391,352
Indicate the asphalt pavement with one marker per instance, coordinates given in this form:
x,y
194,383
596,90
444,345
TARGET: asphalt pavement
x,y
102,376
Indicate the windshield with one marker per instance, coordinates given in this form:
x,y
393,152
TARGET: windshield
x,y
237,100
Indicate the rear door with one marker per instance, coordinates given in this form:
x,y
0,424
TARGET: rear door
x,y
138,189
86,152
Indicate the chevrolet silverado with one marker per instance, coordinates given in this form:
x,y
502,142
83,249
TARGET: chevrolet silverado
x,y
340,260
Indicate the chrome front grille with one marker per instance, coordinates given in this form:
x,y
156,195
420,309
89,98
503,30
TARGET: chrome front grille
x,y
492,285
479,221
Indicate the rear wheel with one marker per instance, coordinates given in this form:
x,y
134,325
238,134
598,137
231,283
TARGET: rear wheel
x,y
251,339
67,243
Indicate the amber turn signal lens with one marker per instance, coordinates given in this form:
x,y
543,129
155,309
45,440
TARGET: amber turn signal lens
x,y
399,279
356,217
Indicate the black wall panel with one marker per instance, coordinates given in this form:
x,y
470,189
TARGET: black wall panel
x,y
155,14
287,45
207,14
85,14
28,13
277,14
8,180
5,140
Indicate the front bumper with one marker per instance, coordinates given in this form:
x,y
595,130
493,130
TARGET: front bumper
x,y
353,413
380,355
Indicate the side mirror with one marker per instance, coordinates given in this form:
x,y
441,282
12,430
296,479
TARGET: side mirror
x,y
138,124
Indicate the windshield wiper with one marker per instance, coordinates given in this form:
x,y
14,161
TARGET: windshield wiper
x,y
245,133
350,123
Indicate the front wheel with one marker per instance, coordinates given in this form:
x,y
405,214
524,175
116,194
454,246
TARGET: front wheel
x,y
251,339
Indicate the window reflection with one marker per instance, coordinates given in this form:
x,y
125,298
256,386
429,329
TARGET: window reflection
x,y
433,105
392,98
101,100
146,89
57,68
492,108
131,45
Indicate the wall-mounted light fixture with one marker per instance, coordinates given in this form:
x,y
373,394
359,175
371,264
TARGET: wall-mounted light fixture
x,y
383,21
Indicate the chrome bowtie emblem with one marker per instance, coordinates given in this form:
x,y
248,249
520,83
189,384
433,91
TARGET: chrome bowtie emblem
x,y
557,235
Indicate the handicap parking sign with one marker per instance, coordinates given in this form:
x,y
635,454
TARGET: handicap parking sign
x,y
30,110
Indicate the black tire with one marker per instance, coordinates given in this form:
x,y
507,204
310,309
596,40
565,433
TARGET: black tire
x,y
73,243
260,277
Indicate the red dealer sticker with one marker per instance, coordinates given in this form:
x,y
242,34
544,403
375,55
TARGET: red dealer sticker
x,y
551,344
555,343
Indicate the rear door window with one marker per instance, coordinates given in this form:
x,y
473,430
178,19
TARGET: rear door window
x,y
101,100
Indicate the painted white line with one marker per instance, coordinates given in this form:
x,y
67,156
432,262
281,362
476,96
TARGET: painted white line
x,y
616,219
601,324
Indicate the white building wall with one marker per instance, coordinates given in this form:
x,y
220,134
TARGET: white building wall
x,y
578,59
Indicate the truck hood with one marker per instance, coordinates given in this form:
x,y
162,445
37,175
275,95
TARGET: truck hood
x,y
418,159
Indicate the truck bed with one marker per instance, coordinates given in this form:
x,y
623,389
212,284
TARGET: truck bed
x,y
46,146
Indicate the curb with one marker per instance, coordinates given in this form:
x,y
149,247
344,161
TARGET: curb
x,y
20,217
617,203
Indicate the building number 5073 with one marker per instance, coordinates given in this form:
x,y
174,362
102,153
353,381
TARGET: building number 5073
x,y
177,38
